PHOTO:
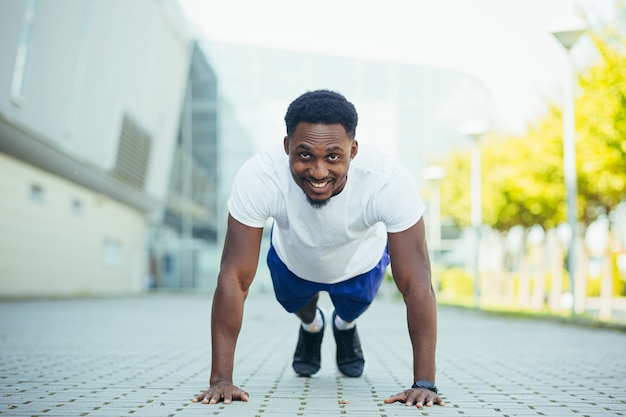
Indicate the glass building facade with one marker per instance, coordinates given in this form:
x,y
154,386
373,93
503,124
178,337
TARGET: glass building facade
x,y
188,229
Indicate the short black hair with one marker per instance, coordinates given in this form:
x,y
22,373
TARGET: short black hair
x,y
322,106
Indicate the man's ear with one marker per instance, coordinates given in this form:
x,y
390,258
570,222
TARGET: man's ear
x,y
355,149
286,145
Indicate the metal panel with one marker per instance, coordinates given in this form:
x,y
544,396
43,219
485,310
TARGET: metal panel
x,y
133,154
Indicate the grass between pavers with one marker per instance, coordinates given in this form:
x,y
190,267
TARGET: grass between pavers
x,y
585,320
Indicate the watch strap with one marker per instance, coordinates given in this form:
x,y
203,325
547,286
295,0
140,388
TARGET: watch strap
x,y
426,385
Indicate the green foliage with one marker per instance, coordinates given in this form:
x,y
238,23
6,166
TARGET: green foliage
x,y
601,144
455,197
618,285
522,177
456,284
524,181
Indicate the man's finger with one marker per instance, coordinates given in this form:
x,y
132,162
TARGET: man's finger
x,y
394,398
201,398
415,397
215,398
390,400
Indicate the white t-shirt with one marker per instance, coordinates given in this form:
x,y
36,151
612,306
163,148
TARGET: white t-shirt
x,y
340,240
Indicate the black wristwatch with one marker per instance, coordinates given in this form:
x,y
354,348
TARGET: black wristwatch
x,y
426,385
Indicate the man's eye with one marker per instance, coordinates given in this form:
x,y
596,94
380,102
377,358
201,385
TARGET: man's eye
x,y
304,155
333,157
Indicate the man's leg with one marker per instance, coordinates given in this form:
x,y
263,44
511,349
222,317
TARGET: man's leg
x,y
307,358
308,312
349,356
300,297
351,298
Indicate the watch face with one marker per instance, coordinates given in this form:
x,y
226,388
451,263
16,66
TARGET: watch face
x,y
425,384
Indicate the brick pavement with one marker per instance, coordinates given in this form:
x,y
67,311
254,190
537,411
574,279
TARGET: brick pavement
x,y
149,355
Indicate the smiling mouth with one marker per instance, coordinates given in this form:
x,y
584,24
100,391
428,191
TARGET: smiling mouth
x,y
318,184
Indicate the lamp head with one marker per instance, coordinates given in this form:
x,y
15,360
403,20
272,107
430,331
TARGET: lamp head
x,y
568,30
474,129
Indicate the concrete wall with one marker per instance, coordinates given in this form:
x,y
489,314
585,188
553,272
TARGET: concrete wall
x,y
71,72
57,238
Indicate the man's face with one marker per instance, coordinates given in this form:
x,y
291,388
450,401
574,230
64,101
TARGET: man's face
x,y
319,157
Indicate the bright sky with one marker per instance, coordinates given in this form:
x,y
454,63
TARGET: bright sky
x,y
503,43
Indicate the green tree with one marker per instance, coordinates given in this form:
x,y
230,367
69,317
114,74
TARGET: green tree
x,y
522,177
601,121
523,181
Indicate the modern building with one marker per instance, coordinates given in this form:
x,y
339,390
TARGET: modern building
x,y
184,249
90,100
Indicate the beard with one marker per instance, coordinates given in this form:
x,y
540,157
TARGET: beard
x,y
317,204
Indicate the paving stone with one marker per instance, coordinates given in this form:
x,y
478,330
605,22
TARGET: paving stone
x,y
149,356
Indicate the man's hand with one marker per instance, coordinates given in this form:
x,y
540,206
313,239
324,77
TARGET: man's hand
x,y
417,396
222,391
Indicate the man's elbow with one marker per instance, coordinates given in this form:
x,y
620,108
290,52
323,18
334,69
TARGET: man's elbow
x,y
234,283
416,286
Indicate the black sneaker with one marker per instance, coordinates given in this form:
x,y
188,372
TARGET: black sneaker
x,y
350,359
308,356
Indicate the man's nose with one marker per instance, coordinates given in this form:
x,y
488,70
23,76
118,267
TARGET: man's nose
x,y
319,170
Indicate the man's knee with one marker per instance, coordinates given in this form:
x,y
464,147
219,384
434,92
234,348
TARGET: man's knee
x,y
307,313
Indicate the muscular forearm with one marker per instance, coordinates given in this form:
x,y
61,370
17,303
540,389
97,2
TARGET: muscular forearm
x,y
422,322
226,318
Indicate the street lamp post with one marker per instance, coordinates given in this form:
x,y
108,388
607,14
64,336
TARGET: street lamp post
x,y
434,174
476,130
567,33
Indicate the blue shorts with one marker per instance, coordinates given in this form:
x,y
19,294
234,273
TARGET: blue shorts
x,y
350,298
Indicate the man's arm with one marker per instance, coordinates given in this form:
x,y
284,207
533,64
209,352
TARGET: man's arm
x,y
410,266
238,267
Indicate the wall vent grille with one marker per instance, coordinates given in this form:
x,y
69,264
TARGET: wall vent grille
x,y
133,154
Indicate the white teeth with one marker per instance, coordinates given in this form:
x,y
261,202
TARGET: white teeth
x,y
318,184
